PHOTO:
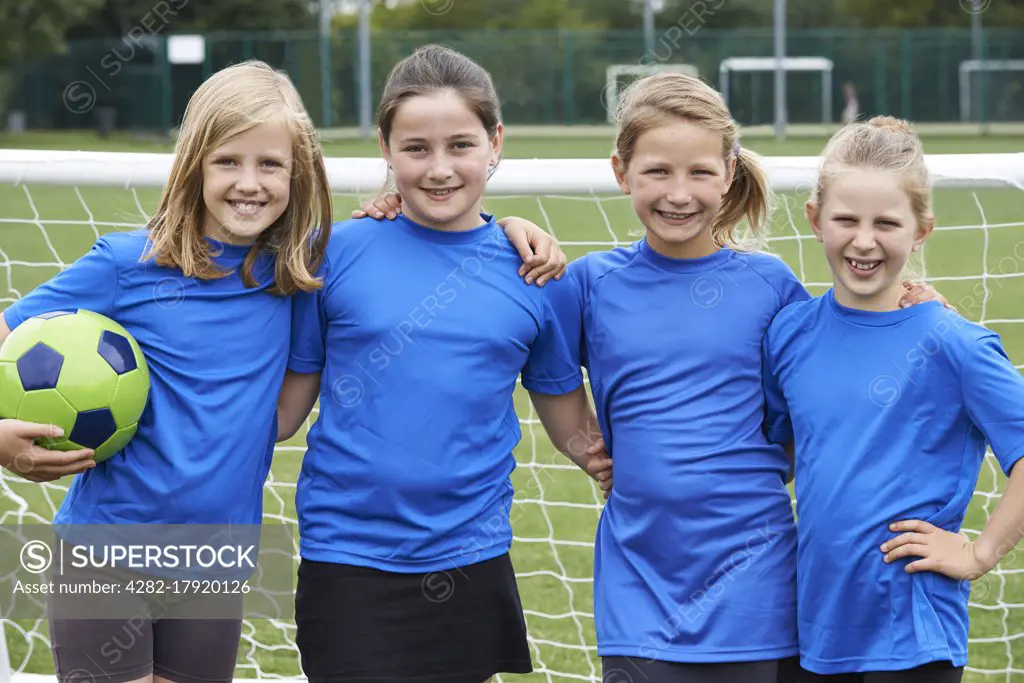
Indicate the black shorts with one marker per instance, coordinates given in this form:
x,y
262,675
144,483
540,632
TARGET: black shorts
x,y
161,637
932,672
121,650
638,670
361,625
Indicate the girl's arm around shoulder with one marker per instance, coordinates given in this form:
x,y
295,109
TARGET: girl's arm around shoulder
x,y
542,256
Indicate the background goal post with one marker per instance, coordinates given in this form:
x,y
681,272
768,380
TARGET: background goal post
x,y
789,64
616,74
969,95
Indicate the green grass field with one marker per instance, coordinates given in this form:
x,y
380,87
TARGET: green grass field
x,y
979,270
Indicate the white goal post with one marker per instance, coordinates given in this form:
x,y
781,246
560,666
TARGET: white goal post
x,y
971,66
54,203
615,72
812,64
364,175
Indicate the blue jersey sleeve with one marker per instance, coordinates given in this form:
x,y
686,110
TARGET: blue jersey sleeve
x,y
308,352
994,395
553,366
90,283
778,427
790,288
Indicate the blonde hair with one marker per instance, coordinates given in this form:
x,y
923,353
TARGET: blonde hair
x,y
227,104
662,99
883,143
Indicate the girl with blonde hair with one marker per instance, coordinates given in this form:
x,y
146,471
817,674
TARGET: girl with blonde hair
x,y
205,290
891,410
694,571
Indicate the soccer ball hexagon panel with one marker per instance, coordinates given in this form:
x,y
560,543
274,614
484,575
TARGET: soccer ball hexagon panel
x,y
78,370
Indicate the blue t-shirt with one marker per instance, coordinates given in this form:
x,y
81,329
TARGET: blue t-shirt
x,y
216,353
420,336
696,548
891,413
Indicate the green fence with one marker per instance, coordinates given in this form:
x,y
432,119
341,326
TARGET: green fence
x,y
543,77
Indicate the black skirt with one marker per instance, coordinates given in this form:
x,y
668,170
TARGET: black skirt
x,y
361,625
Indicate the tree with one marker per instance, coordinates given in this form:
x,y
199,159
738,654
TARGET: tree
x,y
925,13
116,18
456,15
29,28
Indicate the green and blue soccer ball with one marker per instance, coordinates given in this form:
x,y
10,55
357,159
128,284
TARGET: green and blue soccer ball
x,y
80,371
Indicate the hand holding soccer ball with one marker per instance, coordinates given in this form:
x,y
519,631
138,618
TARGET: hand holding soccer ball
x,y
20,455
78,371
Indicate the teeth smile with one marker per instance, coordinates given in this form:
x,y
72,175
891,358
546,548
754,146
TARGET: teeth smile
x,y
247,207
676,216
863,265
442,193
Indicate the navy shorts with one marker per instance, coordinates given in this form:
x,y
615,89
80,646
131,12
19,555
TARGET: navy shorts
x,y
932,672
638,670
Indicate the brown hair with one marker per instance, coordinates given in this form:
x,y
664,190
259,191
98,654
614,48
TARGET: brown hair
x,y
432,68
664,98
884,143
228,103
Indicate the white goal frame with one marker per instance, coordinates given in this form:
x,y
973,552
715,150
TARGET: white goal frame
x,y
821,64
578,177
969,67
615,71
583,178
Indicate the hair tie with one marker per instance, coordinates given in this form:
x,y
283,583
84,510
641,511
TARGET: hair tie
x,y
736,148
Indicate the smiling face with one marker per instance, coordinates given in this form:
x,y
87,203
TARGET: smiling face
x,y
247,183
677,177
868,228
441,155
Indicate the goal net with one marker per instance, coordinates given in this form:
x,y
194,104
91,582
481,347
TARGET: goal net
x,y
53,205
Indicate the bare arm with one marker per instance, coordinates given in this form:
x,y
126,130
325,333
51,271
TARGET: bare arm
x,y
1005,528
298,394
570,422
4,330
